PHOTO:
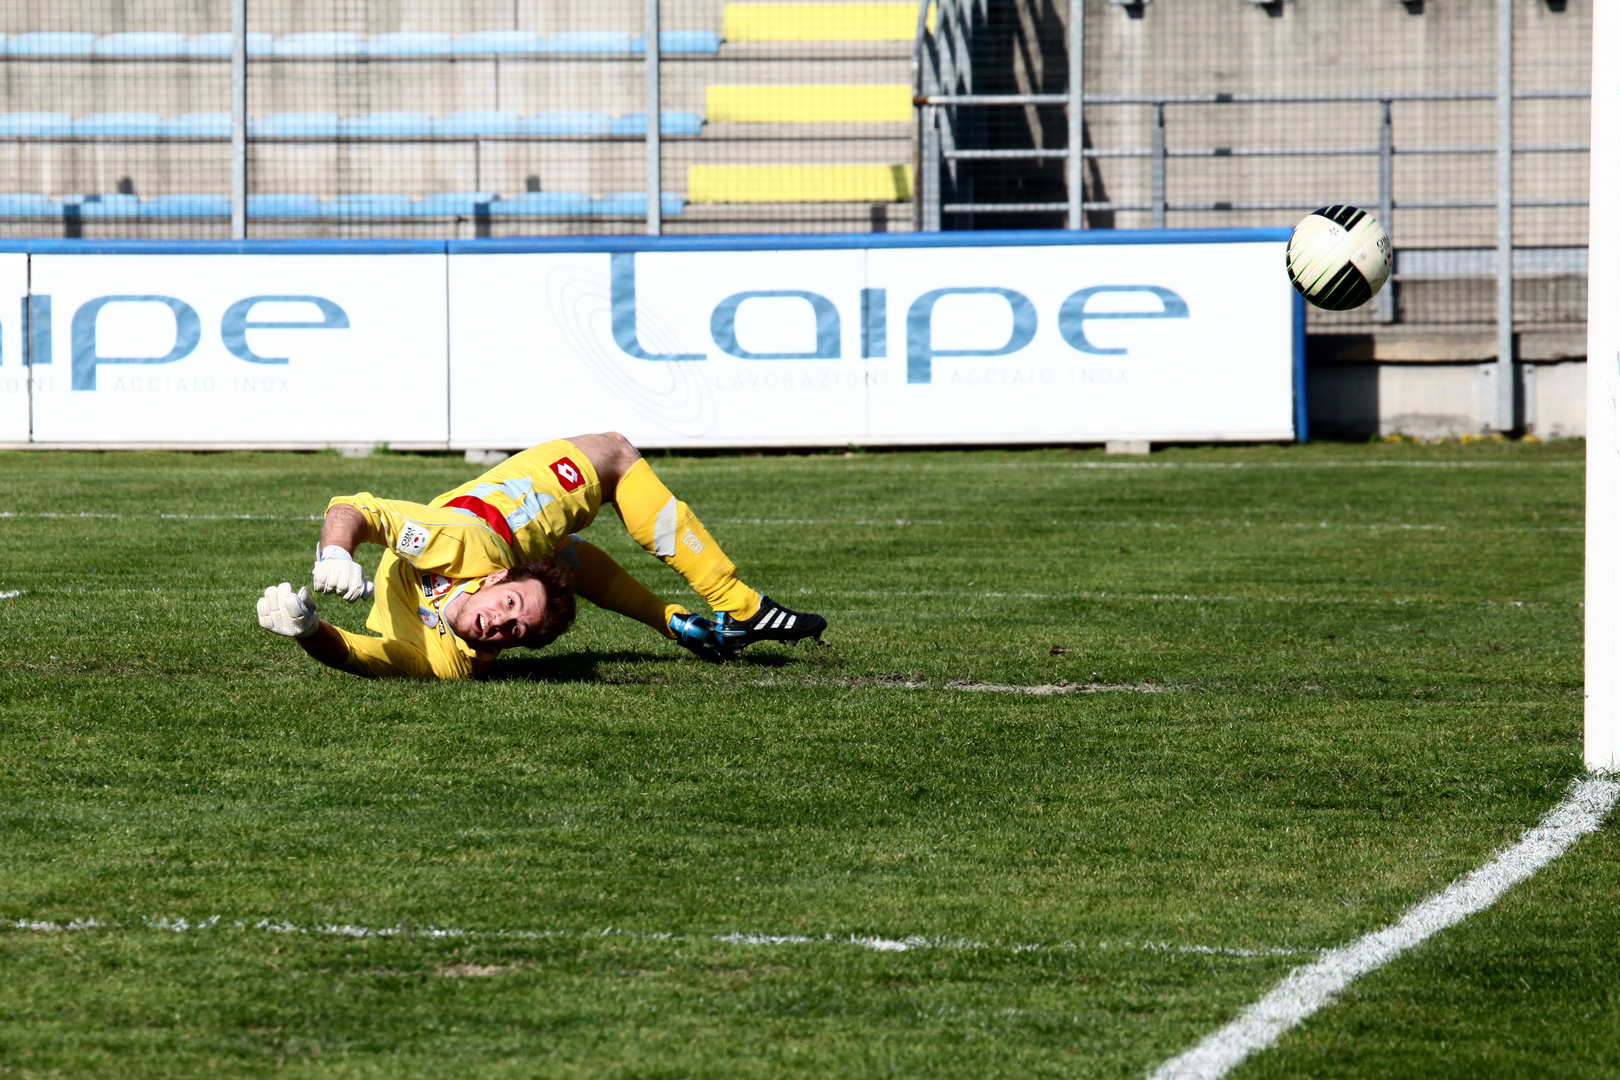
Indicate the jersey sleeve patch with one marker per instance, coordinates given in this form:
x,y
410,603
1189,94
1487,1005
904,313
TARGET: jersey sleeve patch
x,y
568,474
413,537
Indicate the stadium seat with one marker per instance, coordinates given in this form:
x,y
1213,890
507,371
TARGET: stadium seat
x,y
682,42
292,125
478,122
576,42
453,203
567,123
815,104
197,125
29,206
634,203
283,206
367,206
798,183
822,22
320,43
35,123
51,43
141,44
541,203
410,44
669,123
220,45
186,206
119,125
104,206
387,123
498,41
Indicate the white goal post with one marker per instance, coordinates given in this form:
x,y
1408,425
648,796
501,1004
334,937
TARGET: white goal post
x,y
1603,401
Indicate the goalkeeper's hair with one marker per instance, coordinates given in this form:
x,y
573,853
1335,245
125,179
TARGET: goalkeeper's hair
x,y
558,615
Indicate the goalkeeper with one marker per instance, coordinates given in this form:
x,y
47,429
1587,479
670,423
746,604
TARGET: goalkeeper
x,y
496,563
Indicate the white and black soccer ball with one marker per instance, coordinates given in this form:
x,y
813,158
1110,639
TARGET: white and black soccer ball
x,y
1339,257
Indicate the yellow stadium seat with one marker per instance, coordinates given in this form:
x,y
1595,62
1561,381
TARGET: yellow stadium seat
x,y
807,104
798,183
822,22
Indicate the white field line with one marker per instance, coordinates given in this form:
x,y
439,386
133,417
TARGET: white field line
x,y
1037,690
1305,990
163,517
10,593
876,944
1172,597
958,466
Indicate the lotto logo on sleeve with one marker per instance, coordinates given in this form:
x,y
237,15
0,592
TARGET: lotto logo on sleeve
x,y
568,474
412,539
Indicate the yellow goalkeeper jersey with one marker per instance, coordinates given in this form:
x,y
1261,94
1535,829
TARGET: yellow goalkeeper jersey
x,y
523,509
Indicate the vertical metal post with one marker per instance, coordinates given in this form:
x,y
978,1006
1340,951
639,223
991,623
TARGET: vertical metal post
x,y
1077,116
238,119
655,200
1158,165
1384,310
931,215
1503,421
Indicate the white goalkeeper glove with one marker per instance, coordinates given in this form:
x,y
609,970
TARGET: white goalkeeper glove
x,y
337,572
288,613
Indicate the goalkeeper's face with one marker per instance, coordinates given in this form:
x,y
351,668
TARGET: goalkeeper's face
x,y
501,614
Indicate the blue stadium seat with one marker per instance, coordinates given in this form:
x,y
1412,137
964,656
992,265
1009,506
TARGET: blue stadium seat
x,y
499,41
367,206
387,123
686,42
197,125
305,125
634,203
283,206
51,43
669,123
28,206
104,206
320,43
36,123
453,203
586,42
187,206
410,44
147,43
119,125
478,122
540,203
567,123
220,45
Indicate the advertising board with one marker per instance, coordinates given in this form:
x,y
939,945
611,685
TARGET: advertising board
x,y
13,358
260,350
952,338
947,343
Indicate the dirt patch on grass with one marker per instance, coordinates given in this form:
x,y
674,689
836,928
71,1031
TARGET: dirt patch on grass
x,y
474,971
1062,686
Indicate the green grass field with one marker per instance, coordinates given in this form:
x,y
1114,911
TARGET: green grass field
x,y
1318,683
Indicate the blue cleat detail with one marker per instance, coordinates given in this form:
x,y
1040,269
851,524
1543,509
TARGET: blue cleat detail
x,y
699,636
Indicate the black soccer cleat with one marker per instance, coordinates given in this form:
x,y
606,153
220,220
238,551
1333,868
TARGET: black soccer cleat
x,y
772,622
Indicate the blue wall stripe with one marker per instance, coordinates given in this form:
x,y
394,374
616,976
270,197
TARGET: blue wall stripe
x,y
587,244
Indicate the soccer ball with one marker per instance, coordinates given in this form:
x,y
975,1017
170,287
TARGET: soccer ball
x,y
1339,257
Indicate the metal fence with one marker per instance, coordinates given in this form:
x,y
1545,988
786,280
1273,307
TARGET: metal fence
x,y
1463,123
